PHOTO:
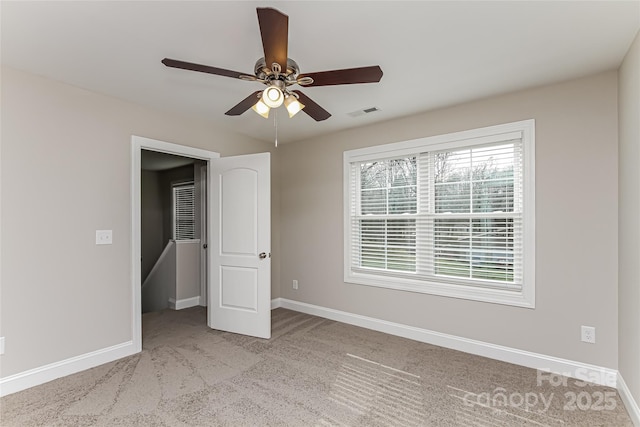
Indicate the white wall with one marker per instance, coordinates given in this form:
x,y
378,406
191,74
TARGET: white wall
x,y
629,220
65,172
576,223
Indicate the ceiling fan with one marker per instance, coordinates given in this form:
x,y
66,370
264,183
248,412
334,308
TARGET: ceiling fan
x,y
278,73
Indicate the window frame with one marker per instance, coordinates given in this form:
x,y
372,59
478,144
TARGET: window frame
x,y
523,297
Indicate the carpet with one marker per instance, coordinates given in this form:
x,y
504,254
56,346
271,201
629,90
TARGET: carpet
x,y
312,372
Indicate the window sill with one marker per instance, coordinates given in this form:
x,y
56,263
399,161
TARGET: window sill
x,y
516,298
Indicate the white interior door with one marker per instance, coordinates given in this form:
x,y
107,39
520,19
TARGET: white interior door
x,y
240,251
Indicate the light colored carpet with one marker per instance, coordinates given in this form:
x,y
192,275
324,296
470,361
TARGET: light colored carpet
x,y
312,372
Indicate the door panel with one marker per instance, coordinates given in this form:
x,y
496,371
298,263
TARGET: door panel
x,y
239,190
240,279
239,288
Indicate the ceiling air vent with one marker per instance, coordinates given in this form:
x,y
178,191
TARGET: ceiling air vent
x,y
364,111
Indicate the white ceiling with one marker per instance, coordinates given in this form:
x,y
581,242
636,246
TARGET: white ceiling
x,y
433,54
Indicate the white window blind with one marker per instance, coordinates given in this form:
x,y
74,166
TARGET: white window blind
x,y
475,220
440,218
184,212
386,221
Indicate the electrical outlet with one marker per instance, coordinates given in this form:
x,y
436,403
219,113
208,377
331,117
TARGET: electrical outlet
x,y
295,284
589,334
104,237
1,345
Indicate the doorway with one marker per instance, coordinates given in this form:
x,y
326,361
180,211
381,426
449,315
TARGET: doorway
x,y
173,231
161,155
238,226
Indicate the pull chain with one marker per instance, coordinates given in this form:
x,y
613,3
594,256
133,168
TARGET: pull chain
x,y
275,124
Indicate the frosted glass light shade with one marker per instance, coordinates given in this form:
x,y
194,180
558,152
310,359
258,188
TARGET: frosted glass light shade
x,y
261,108
273,97
293,105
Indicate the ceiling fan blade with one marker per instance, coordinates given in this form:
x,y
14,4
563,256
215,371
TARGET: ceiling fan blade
x,y
315,111
347,76
274,29
206,69
245,104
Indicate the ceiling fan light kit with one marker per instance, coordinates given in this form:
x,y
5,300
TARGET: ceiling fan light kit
x,y
282,72
261,108
273,96
292,105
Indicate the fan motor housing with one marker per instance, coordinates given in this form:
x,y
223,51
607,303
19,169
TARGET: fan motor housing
x,y
263,72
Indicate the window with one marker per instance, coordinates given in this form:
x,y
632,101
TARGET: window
x,y
450,215
183,211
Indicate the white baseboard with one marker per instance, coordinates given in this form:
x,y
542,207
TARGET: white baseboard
x,y
569,368
183,303
629,402
276,303
46,373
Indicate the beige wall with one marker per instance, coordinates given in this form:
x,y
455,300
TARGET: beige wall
x,y
77,146
161,283
629,220
66,160
187,270
576,223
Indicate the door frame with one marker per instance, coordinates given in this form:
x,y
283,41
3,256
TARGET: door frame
x,y
139,143
201,178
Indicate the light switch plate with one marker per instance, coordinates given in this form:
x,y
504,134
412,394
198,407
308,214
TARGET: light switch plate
x,y
104,237
1,345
